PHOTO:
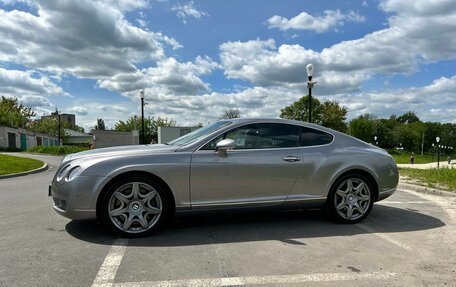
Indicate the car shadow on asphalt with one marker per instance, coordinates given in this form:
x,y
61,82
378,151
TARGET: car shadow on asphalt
x,y
261,226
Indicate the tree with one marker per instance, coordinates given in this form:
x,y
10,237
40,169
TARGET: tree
x,y
50,125
408,117
13,113
328,113
231,114
100,124
333,116
150,126
409,135
363,127
79,129
383,129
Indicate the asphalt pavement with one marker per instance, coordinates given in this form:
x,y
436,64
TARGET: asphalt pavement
x,y
407,240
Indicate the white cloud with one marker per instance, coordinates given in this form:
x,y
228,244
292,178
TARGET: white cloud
x,y
434,102
83,38
188,10
15,83
419,7
88,112
262,64
304,21
431,102
413,37
169,77
78,110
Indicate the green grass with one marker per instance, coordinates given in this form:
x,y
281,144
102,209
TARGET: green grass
x,y
56,150
405,158
432,177
13,164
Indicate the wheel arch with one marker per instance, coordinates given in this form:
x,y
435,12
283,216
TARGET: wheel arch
x,y
126,175
367,174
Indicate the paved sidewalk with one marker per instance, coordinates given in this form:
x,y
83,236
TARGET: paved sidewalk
x,y
428,165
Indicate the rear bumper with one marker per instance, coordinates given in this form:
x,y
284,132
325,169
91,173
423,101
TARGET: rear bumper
x,y
385,194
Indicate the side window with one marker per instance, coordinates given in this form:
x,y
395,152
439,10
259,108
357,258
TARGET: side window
x,y
260,136
311,137
211,145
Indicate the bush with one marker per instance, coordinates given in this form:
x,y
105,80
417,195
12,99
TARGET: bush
x,y
394,152
56,150
9,149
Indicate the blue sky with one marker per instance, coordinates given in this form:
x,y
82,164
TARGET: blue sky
x,y
197,58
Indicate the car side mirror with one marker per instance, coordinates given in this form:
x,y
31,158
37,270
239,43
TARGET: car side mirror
x,y
224,145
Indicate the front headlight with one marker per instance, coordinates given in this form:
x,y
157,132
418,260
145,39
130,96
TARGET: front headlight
x,y
73,173
62,173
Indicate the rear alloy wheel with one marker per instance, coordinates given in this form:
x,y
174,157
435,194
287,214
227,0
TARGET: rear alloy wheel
x,y
351,199
134,208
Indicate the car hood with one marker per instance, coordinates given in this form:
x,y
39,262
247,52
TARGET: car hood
x,y
121,151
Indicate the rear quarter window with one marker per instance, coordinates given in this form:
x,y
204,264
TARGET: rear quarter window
x,y
312,137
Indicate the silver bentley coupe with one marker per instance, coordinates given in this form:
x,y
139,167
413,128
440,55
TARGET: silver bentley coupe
x,y
230,164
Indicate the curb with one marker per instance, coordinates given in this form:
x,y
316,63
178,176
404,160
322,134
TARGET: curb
x,y
37,170
425,190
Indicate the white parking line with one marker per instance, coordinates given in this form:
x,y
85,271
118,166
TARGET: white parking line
x,y
385,237
261,280
106,274
402,202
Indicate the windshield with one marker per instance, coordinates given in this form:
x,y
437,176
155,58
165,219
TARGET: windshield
x,y
199,134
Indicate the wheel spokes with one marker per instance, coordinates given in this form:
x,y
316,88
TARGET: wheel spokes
x,y
122,211
135,207
128,222
152,210
349,185
352,199
342,193
142,220
359,208
359,188
122,197
349,211
135,190
148,197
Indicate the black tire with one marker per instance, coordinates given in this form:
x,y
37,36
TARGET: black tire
x,y
134,214
360,199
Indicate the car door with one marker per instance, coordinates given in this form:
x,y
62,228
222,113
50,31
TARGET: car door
x,y
317,165
262,168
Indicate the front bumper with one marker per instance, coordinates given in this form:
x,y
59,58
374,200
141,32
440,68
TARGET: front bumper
x,y
76,199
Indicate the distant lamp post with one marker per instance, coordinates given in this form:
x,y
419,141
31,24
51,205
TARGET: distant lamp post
x,y
437,139
141,94
433,151
310,84
59,124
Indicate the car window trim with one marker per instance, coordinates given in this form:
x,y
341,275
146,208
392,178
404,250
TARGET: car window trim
x,y
225,132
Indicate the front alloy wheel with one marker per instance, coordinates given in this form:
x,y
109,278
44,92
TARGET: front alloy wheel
x,y
351,199
134,208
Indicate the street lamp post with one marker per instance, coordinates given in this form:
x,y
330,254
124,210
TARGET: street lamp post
x,y
59,125
437,139
141,94
310,84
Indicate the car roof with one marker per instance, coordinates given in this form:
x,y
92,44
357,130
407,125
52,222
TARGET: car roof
x,y
278,120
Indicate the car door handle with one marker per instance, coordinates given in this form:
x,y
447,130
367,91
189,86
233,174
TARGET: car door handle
x,y
291,158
